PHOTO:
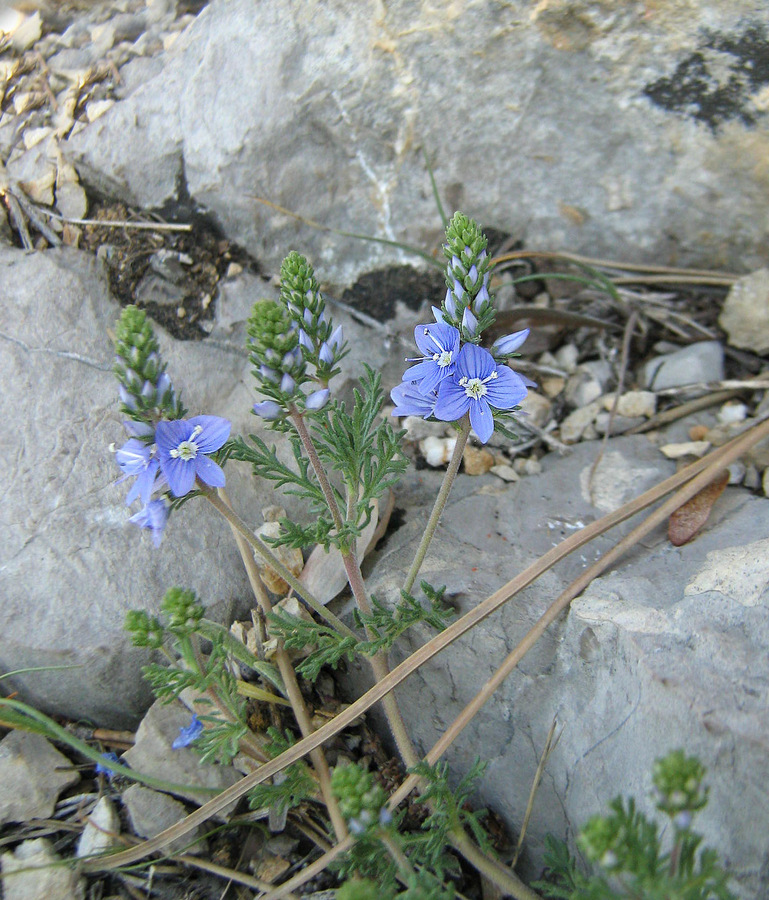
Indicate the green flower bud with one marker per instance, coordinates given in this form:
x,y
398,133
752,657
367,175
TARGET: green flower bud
x,y
145,630
678,783
183,609
360,797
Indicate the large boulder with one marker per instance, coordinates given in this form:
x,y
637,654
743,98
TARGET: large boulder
x,y
661,652
633,130
71,564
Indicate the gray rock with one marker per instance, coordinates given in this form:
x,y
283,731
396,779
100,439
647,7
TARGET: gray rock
x,y
646,165
700,362
34,870
745,316
153,754
659,653
152,812
101,832
32,775
71,565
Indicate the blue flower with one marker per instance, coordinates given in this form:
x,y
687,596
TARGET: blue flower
x,y
182,448
478,384
153,516
410,401
440,344
269,410
509,343
138,458
101,769
189,734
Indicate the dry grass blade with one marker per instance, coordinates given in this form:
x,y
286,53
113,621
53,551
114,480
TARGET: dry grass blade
x,y
550,744
699,473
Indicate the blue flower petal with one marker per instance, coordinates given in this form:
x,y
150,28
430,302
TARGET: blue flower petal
x,y
481,419
180,474
209,472
506,390
215,432
452,401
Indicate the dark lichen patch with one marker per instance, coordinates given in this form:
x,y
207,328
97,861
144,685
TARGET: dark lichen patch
x,y
715,84
377,293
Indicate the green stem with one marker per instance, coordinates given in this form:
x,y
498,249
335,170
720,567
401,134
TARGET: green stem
x,y
440,503
274,563
355,578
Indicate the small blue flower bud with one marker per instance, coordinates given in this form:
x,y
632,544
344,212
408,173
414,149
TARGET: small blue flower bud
x,y
163,385
288,361
326,354
472,275
148,390
450,304
337,337
304,340
459,291
509,343
287,384
268,374
189,734
318,399
269,410
307,317
469,322
482,300
127,399
385,816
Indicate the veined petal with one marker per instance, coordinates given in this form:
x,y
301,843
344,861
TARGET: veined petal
x,y
169,435
436,338
509,343
180,474
452,402
475,362
506,390
481,419
409,401
144,484
419,371
215,432
209,472
134,456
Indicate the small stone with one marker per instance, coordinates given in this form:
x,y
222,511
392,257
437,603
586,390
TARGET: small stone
x,y
32,775
71,200
291,557
532,466
745,314
101,832
478,461
38,872
701,433
437,451
151,812
732,411
417,428
752,479
566,357
552,385
153,754
26,32
575,424
536,409
505,472
96,108
633,403
153,288
688,448
737,472
233,270
619,424
700,362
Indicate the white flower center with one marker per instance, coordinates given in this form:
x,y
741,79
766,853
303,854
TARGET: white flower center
x,y
443,358
475,388
187,449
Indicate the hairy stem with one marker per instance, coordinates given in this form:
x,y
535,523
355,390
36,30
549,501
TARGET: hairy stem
x,y
288,675
379,664
273,562
440,503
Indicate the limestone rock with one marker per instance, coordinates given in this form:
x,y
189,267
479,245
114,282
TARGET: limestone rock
x,y
32,775
745,316
347,96
153,754
34,870
101,832
152,812
659,652
700,362
72,565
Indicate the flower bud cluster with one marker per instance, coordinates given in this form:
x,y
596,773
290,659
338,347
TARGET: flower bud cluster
x,y
183,609
145,630
361,800
293,343
468,305
678,787
603,840
145,389
322,344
